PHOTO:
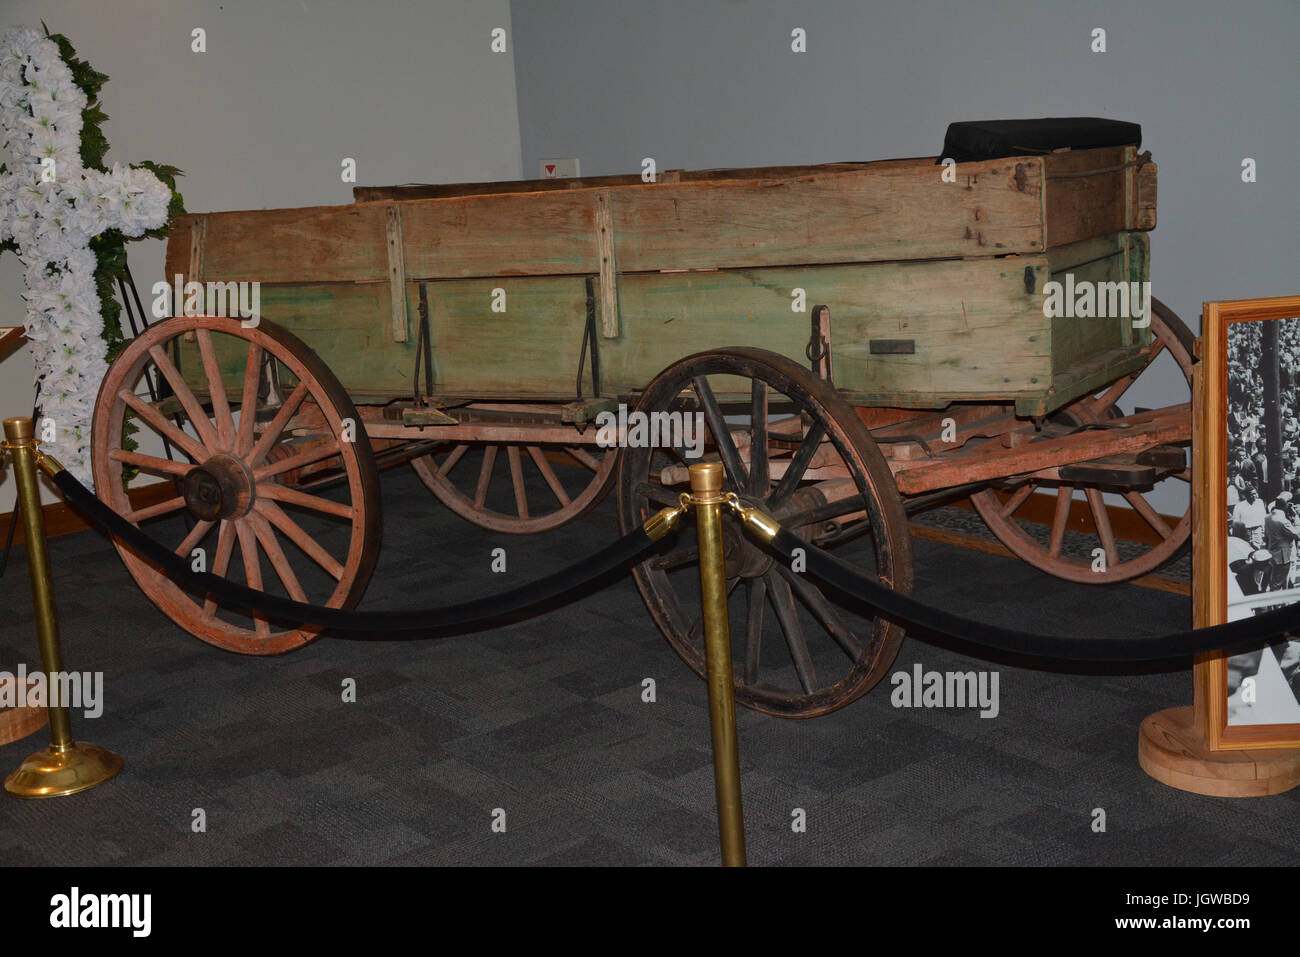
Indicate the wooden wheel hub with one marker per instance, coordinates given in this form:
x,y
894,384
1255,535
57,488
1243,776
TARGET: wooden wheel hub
x,y
220,488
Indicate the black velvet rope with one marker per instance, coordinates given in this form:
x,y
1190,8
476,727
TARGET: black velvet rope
x,y
369,625
1254,632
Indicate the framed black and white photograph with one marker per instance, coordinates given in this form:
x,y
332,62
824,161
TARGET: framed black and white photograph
x,y
1248,515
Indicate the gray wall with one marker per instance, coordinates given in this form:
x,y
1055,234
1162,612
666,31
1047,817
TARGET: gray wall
x,y
285,91
706,83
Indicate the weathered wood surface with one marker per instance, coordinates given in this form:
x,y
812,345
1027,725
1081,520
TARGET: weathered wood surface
x,y
1080,207
898,254
876,213
370,194
976,328
1174,752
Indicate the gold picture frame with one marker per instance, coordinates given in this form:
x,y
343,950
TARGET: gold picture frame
x,y
1210,422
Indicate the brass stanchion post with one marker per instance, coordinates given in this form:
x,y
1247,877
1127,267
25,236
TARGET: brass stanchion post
x,y
708,499
66,766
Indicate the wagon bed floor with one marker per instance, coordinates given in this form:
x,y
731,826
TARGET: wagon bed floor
x,y
545,719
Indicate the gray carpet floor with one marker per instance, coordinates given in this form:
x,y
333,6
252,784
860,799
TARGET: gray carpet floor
x,y
544,719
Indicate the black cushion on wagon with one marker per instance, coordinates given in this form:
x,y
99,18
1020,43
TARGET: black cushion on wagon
x,y
991,139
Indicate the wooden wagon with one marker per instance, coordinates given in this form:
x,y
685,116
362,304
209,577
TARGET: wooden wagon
x,y
861,340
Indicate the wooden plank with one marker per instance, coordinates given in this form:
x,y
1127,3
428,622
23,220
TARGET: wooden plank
x,y
369,194
1142,430
1076,339
866,215
527,234
977,332
1144,212
876,212
198,235
11,340
372,194
177,261
608,268
396,272
1079,207
533,346
314,244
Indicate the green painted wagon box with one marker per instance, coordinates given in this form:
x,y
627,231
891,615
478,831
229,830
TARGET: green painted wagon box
x,y
936,289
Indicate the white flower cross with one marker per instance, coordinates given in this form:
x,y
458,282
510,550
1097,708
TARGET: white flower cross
x,y
51,206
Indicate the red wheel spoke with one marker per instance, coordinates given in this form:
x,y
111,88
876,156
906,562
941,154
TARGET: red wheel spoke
x,y
1143,508
450,461
252,568
756,595
150,463
193,538
1018,499
220,562
283,570
150,511
188,444
1101,403
1099,516
1064,495
485,476
282,493
217,389
276,425
248,403
313,453
517,479
202,424
788,616
548,473
295,534
585,457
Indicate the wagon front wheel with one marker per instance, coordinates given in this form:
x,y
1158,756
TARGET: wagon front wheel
x,y
789,444
188,401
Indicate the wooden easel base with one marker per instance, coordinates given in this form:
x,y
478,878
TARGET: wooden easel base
x,y
1172,752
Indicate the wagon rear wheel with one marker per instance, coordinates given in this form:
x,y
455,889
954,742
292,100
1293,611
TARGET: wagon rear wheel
x,y
487,483
1103,562
790,444
232,444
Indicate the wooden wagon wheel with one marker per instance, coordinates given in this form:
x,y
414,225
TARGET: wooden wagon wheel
x,y
1169,334
485,482
803,455
321,550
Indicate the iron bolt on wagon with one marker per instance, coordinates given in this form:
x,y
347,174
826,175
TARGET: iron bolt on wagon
x,y
481,330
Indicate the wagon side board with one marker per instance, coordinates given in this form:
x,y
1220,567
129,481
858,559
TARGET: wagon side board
x,y
935,288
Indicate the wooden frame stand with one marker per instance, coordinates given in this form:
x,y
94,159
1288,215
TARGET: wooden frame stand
x,y
1173,751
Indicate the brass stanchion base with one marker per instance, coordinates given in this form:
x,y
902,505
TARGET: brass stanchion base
x,y
56,771
1172,751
